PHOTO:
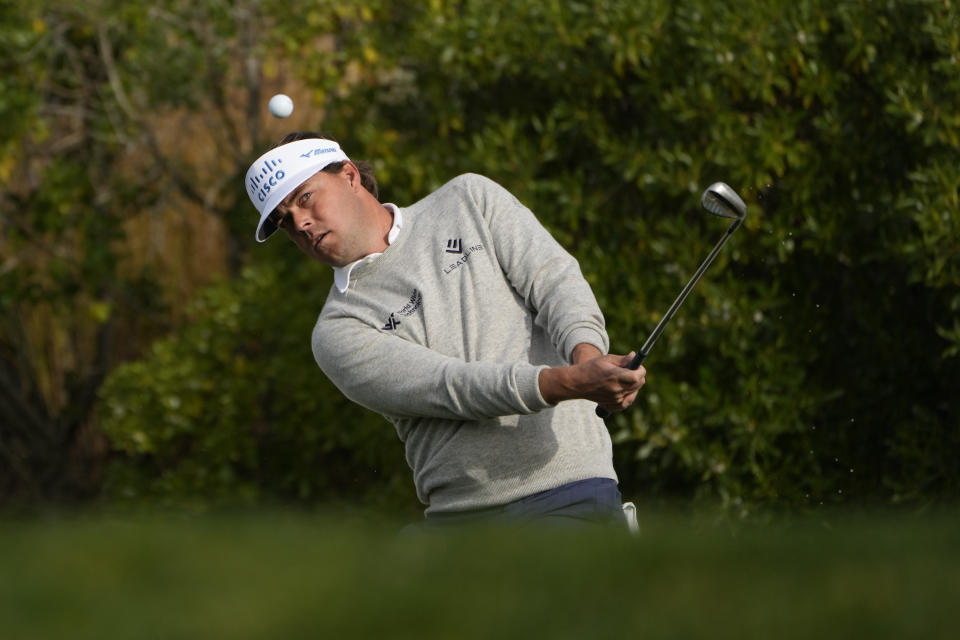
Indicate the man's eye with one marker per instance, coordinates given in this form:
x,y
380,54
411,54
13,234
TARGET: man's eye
x,y
302,200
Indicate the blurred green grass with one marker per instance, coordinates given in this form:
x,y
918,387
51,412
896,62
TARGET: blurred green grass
x,y
275,574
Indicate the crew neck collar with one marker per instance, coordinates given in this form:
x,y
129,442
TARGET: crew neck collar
x,y
341,275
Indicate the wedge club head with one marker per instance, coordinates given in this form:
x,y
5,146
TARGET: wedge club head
x,y
720,200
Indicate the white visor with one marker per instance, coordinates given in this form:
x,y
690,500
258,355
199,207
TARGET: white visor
x,y
275,174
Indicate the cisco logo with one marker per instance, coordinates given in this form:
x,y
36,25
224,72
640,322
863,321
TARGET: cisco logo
x,y
268,178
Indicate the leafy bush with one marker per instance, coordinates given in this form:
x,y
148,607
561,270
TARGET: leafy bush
x,y
233,410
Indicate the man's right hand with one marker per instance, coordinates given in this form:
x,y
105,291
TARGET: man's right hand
x,y
604,380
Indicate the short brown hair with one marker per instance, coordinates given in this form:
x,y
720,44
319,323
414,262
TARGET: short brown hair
x,y
367,178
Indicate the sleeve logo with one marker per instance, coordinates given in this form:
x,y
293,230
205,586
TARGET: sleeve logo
x,y
414,303
392,324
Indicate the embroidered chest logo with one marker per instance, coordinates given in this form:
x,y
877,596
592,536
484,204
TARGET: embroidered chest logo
x,y
392,324
414,304
455,246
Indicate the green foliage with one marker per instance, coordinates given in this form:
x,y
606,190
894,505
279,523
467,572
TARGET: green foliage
x,y
19,34
816,361
233,409
94,102
60,280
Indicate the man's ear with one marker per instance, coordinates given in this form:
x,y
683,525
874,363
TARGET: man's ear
x,y
352,174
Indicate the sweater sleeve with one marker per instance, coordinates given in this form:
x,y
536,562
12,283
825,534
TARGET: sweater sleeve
x,y
363,362
542,272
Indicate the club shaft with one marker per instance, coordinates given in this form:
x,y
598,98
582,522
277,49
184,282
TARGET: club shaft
x,y
648,345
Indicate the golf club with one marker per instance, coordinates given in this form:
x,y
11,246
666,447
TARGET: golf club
x,y
720,200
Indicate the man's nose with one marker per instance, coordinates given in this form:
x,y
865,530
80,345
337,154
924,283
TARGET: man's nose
x,y
301,220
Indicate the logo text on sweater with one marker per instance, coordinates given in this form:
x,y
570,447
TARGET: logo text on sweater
x,y
464,257
412,306
414,303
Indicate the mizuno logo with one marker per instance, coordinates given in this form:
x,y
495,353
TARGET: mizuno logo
x,y
318,151
455,246
392,323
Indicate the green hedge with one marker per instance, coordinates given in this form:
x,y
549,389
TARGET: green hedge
x,y
233,409
816,362
268,574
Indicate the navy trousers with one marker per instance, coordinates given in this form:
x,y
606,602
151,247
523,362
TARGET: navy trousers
x,y
590,502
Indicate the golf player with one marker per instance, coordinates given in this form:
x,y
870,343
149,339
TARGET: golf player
x,y
466,325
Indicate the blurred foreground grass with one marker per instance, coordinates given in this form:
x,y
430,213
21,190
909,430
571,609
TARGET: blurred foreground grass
x,y
279,575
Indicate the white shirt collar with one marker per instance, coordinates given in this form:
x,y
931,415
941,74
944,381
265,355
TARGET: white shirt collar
x,y
341,275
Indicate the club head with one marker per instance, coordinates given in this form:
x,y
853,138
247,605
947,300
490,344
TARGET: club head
x,y
721,200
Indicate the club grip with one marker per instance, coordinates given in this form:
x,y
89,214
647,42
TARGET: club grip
x,y
634,365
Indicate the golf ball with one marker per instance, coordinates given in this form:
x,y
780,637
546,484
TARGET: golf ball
x,y
281,106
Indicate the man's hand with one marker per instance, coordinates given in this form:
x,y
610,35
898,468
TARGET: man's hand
x,y
603,379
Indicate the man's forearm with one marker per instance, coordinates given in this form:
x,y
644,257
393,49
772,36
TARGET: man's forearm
x,y
585,351
560,383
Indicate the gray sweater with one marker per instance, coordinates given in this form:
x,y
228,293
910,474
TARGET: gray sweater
x,y
445,334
